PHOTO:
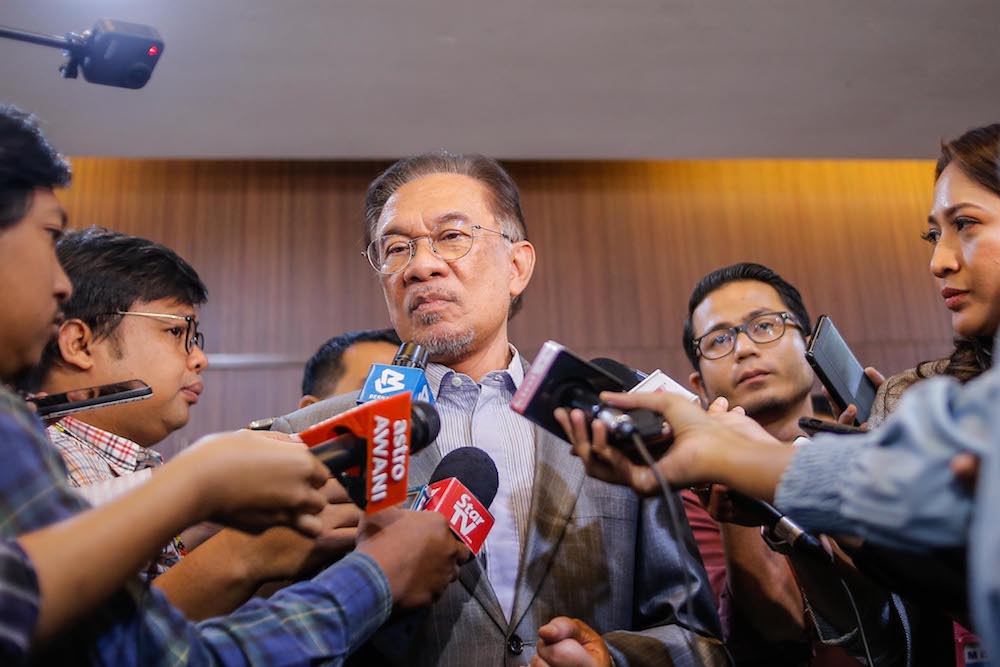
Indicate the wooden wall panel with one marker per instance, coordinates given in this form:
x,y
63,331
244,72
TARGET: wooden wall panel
x,y
620,246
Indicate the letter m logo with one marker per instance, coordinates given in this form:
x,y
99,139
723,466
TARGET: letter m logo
x,y
390,380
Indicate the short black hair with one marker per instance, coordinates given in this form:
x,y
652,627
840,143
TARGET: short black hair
x,y
27,161
111,271
735,273
325,368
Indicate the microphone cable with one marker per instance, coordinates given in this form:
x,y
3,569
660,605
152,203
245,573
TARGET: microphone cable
x,y
677,526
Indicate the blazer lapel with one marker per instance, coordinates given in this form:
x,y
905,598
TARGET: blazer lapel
x,y
558,478
422,465
474,578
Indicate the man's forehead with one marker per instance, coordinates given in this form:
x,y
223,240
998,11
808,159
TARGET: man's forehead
x,y
423,203
46,207
734,302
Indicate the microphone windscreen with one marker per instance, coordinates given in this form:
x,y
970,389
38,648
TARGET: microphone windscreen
x,y
629,377
425,425
473,468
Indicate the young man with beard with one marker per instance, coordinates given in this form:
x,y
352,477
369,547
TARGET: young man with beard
x,y
446,235
746,334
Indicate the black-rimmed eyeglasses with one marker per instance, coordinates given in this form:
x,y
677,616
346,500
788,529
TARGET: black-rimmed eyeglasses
x,y
192,337
449,241
765,328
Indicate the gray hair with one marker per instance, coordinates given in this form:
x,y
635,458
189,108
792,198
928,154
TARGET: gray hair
x,y
505,199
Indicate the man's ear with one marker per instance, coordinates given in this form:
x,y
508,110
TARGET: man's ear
x,y
522,257
307,400
698,384
75,340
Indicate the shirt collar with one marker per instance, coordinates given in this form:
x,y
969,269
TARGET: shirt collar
x,y
513,374
121,454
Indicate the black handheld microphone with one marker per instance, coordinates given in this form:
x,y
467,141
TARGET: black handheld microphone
x,y
374,435
560,379
405,373
411,355
474,468
629,377
780,526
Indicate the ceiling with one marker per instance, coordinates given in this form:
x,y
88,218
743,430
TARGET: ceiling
x,y
542,79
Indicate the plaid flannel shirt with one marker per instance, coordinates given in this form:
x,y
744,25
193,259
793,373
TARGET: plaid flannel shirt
x,y
93,455
311,623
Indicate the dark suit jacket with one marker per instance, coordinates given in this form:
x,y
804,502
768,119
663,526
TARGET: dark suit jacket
x,y
594,551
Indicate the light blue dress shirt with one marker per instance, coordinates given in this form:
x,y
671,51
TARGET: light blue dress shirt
x,y
479,415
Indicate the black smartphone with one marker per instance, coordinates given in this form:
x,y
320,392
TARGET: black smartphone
x,y
839,370
812,425
54,406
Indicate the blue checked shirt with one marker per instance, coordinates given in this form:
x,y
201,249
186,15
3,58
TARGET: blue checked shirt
x,y
318,622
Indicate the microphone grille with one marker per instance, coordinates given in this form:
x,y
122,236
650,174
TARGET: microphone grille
x,y
411,355
472,467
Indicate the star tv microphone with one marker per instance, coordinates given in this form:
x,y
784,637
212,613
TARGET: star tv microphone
x,y
404,374
560,379
462,488
466,471
368,447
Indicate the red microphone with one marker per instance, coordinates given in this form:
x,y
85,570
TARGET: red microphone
x,y
374,439
462,487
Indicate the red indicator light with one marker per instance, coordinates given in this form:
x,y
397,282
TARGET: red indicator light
x,y
153,50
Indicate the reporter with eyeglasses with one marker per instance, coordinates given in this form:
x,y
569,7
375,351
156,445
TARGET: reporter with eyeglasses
x,y
745,335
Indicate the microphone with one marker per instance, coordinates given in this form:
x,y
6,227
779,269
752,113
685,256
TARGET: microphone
x,y
629,377
560,379
780,526
464,471
376,438
462,488
404,374
638,382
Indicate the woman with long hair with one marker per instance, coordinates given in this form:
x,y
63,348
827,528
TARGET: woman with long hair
x,y
964,228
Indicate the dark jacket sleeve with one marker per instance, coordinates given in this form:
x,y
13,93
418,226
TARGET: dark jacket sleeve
x,y
675,613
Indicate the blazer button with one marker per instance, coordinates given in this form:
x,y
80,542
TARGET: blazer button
x,y
515,645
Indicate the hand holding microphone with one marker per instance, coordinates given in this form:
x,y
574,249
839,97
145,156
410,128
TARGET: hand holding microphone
x,y
717,446
428,545
416,551
252,482
369,447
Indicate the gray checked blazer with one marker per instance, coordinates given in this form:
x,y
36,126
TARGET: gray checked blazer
x,y
594,551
